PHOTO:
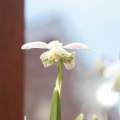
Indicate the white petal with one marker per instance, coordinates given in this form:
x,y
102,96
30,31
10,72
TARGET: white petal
x,y
44,56
38,44
76,46
60,51
113,70
54,44
70,65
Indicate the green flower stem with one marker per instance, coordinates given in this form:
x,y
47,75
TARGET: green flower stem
x,y
55,113
59,79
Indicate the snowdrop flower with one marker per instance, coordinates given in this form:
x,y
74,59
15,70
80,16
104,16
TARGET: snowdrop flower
x,y
113,72
56,52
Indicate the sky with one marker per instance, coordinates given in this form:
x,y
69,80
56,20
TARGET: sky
x,y
95,22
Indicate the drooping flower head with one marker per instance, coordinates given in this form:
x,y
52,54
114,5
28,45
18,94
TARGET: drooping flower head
x,y
56,52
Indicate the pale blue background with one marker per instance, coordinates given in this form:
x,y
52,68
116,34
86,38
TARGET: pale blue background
x,y
96,22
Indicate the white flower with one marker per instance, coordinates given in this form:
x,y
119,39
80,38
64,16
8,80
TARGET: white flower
x,y
56,52
113,72
25,117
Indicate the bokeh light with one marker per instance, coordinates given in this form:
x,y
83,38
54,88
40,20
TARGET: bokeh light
x,y
106,96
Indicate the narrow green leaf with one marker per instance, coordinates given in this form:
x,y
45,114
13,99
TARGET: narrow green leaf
x,y
55,113
80,117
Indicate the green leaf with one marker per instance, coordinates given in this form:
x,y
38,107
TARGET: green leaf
x,y
80,117
55,113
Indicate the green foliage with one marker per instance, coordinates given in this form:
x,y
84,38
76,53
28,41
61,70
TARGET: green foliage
x,y
55,113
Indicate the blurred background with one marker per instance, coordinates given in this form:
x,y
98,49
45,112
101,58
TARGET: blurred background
x,y
93,22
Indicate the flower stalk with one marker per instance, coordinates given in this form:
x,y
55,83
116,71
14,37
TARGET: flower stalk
x,y
55,112
59,79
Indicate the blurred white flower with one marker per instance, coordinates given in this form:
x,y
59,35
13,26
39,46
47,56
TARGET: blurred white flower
x,y
95,117
106,96
25,117
56,52
113,72
100,66
80,117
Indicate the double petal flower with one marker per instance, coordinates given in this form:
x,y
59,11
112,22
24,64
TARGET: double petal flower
x,y
56,52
